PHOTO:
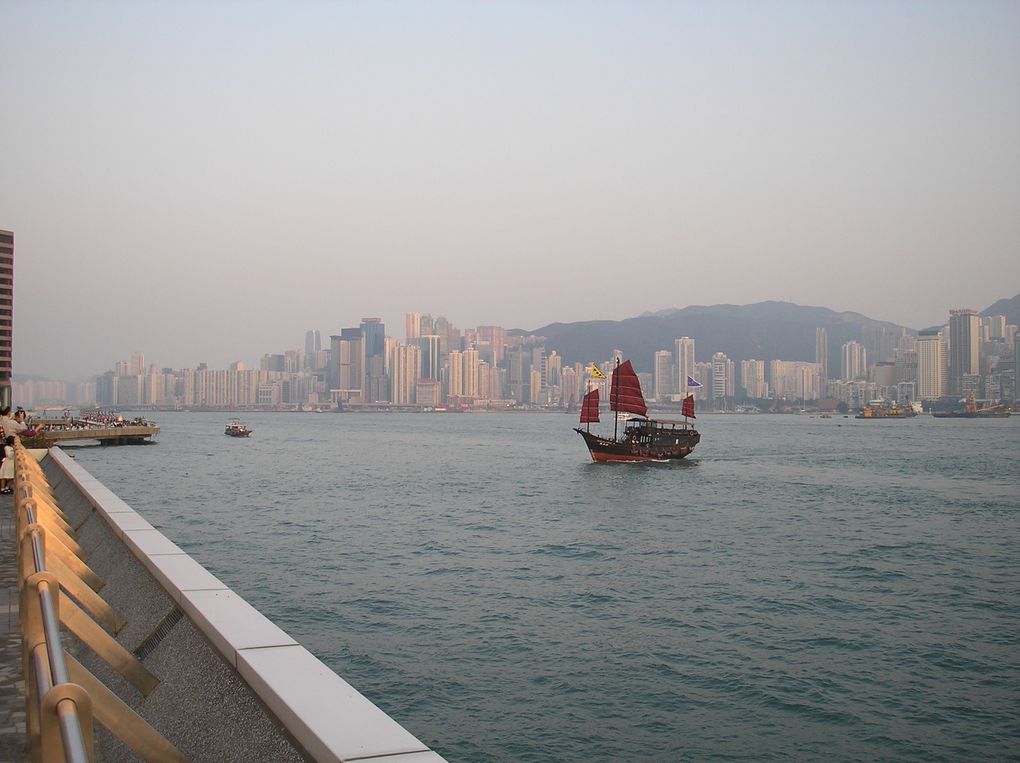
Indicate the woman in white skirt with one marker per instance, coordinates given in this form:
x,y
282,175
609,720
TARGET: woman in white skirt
x,y
7,468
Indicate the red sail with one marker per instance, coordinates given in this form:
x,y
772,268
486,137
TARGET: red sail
x,y
590,408
625,394
688,407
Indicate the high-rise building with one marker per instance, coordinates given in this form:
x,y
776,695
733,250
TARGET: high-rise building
x,y
685,365
822,352
470,365
454,374
932,366
429,346
963,348
6,314
795,380
496,337
855,361
376,378
752,379
405,370
553,369
412,327
137,363
663,375
333,366
722,379
352,365
518,366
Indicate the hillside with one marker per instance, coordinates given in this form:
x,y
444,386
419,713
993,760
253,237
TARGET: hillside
x,y
765,331
1008,307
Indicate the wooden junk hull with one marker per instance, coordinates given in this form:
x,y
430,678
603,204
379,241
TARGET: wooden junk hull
x,y
663,445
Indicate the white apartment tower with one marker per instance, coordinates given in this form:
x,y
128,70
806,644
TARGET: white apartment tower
x,y
752,378
722,377
932,368
470,365
855,361
684,364
663,375
405,364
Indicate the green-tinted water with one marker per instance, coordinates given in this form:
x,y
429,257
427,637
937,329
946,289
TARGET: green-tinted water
x,y
799,588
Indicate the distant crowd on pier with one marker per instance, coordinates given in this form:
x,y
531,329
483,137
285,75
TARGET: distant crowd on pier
x,y
98,420
19,424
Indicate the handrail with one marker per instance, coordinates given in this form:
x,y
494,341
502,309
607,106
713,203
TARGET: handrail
x,y
57,587
50,674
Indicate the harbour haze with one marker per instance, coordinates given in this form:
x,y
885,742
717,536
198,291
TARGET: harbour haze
x,y
799,587
207,180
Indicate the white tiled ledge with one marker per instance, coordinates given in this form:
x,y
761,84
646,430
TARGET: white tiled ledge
x,y
325,714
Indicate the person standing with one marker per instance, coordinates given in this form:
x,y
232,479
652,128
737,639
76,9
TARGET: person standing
x,y
7,468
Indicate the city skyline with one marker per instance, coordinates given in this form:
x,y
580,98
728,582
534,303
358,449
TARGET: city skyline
x,y
229,358
438,364
518,164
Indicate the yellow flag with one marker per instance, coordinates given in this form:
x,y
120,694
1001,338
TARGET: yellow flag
x,y
596,373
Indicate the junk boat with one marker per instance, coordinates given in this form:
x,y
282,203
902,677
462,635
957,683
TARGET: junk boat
x,y
971,411
237,429
643,439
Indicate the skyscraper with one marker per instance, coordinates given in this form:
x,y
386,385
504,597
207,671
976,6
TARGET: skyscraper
x,y
496,337
685,364
722,379
470,373
931,365
333,367
963,348
352,365
376,377
822,353
412,327
405,370
752,378
429,346
6,314
663,375
855,361
454,374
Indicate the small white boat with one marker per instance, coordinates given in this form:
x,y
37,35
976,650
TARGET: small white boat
x,y
237,429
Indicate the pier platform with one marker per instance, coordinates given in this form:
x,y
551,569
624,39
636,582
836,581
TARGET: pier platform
x,y
125,435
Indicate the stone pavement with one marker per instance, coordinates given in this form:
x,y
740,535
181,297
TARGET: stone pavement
x,y
12,687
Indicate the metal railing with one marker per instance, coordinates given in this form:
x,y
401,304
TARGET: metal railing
x,y
56,587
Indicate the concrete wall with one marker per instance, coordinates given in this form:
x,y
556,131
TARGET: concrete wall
x,y
233,686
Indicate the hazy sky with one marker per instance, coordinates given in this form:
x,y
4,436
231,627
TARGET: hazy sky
x,y
205,181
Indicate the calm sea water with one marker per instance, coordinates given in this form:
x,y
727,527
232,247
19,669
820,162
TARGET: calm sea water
x,y
800,588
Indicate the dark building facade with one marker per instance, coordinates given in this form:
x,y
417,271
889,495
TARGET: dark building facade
x,y
6,314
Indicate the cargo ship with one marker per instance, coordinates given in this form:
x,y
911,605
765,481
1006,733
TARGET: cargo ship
x,y
971,411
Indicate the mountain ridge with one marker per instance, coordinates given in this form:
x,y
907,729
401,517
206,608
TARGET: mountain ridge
x,y
769,330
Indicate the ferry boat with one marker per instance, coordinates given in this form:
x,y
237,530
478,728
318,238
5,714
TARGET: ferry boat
x,y
643,439
237,429
880,409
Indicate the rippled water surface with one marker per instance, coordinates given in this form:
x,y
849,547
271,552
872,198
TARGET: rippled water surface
x,y
799,588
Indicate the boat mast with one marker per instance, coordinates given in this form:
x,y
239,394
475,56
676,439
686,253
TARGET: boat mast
x,y
614,386
584,400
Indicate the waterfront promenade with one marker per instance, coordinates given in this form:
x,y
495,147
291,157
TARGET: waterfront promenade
x,y
12,694
174,663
